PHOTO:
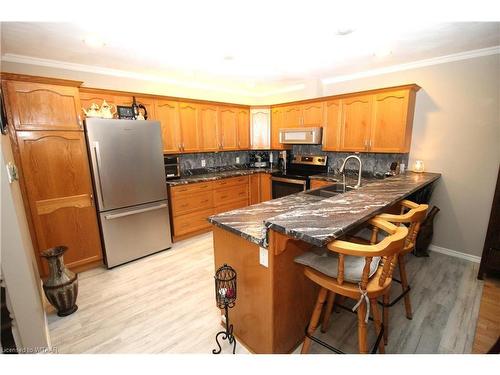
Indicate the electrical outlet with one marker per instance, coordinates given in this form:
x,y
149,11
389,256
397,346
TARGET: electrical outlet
x,y
263,256
237,160
203,163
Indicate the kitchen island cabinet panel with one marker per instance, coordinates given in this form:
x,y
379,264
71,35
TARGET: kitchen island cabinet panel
x,y
271,312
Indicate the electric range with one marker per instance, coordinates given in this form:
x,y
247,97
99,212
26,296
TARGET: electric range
x,y
294,177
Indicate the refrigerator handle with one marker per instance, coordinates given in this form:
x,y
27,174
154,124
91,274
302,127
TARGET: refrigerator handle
x,y
98,174
128,213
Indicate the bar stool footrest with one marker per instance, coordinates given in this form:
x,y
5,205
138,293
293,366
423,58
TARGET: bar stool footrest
x,y
396,300
338,351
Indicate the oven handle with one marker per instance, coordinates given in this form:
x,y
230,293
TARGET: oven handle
x,y
289,180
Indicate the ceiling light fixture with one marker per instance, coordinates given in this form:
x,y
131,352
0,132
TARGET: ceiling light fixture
x,y
383,52
344,31
94,41
228,58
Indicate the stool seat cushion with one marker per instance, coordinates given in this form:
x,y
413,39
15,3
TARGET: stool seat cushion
x,y
326,262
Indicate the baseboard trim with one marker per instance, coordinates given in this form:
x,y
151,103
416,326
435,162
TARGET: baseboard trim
x,y
456,254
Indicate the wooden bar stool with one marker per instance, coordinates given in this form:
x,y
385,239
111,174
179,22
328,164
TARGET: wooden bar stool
x,y
412,214
362,272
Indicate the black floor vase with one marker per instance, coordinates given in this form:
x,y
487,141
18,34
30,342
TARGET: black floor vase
x,y
61,287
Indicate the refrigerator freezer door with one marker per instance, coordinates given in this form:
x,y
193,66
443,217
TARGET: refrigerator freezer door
x,y
133,232
127,162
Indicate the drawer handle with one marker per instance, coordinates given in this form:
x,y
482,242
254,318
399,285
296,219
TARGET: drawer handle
x,y
242,193
185,205
205,201
223,196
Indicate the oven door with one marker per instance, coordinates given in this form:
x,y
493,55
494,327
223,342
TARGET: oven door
x,y
286,186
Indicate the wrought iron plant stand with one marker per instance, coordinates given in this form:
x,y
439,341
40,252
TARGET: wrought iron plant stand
x,y
225,296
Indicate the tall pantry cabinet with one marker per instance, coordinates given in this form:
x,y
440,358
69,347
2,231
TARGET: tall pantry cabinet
x,y
49,145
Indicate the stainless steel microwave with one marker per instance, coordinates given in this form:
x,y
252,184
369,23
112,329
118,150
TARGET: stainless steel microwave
x,y
300,136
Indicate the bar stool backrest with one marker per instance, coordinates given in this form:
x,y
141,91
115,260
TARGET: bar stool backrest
x,y
412,214
388,249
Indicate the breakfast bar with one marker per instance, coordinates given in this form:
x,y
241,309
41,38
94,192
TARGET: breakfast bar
x,y
260,242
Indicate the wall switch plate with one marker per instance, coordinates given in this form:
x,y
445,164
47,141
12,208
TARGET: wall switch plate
x,y
203,163
263,256
12,172
237,160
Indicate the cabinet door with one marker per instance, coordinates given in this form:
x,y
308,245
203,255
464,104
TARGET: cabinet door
x,y
331,125
190,127
167,112
292,116
312,114
56,173
89,98
356,122
254,193
210,128
37,106
265,187
229,127
276,125
388,132
243,129
260,128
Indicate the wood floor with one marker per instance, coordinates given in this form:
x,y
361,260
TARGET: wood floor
x,y
165,304
488,324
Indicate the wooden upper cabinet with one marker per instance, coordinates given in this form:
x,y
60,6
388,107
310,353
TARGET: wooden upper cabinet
x,y
332,125
277,122
312,114
356,123
228,120
390,131
167,112
260,128
292,116
190,127
209,128
243,128
56,174
39,106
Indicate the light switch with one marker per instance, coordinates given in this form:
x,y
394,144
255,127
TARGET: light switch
x,y
237,160
11,172
203,163
263,256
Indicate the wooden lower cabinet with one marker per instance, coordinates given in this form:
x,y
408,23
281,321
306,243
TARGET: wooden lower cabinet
x,y
192,204
320,183
265,187
56,175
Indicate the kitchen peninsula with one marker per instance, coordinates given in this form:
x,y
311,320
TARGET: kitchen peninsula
x,y
275,300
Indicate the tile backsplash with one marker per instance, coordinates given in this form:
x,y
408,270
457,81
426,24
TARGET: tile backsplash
x,y
372,162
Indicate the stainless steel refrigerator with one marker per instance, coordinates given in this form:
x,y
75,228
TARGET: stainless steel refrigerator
x,y
129,180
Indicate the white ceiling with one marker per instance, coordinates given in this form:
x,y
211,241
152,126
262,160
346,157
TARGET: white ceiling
x,y
256,54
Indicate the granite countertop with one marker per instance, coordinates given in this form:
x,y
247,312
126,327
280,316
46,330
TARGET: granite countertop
x,y
218,175
317,220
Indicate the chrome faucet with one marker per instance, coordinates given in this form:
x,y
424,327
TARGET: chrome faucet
x,y
341,170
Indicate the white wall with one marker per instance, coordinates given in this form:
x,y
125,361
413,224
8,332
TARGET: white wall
x,y
456,131
18,265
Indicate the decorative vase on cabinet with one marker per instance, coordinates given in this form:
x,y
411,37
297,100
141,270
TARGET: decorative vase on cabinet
x,y
61,287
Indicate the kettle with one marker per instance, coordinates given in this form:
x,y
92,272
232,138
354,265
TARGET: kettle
x,y
136,110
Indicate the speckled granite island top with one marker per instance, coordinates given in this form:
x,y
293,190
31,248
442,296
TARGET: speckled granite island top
x,y
218,175
317,220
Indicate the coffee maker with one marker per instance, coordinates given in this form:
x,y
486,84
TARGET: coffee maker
x,y
282,161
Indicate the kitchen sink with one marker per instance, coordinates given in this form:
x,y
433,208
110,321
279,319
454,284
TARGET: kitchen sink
x,y
330,190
